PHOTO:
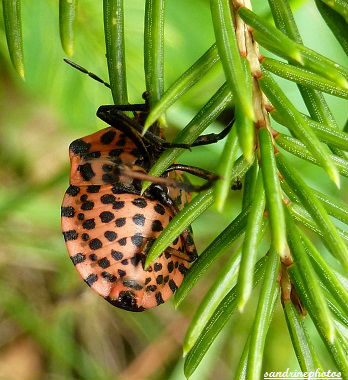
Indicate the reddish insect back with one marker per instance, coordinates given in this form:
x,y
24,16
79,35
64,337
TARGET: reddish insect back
x,y
109,227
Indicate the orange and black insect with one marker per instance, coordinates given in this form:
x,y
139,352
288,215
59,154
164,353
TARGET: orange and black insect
x,y
109,226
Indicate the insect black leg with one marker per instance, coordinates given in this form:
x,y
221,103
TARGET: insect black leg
x,y
137,107
141,107
212,138
169,182
198,172
161,193
187,256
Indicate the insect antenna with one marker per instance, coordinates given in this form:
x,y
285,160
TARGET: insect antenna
x,y
85,71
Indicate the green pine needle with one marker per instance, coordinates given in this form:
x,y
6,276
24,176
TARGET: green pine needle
x,y
67,19
13,28
250,244
115,49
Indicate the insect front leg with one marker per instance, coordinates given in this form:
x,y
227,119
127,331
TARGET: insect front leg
x,y
122,170
198,172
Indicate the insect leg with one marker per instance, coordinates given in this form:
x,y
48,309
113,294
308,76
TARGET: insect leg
x,y
212,138
198,172
187,256
141,107
123,170
112,115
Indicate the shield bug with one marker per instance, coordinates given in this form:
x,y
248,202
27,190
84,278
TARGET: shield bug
x,y
109,226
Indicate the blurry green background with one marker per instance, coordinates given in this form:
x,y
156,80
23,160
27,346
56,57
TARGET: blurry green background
x,y
52,326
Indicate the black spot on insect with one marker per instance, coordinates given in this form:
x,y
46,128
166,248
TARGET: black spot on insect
x,y
80,216
120,189
157,267
124,262
170,267
110,235
139,219
86,171
70,235
147,280
137,240
93,188
159,279
166,278
176,264
107,168
182,269
121,272
73,190
159,209
83,198
104,263
140,202
135,260
117,255
108,178
78,258
122,241
91,279
88,224
79,147
172,285
92,155
68,212
159,298
175,241
120,222
132,284
107,198
95,244
115,152
106,216
110,277
85,237
118,205
107,137
151,288
167,255
93,257
87,205
156,226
